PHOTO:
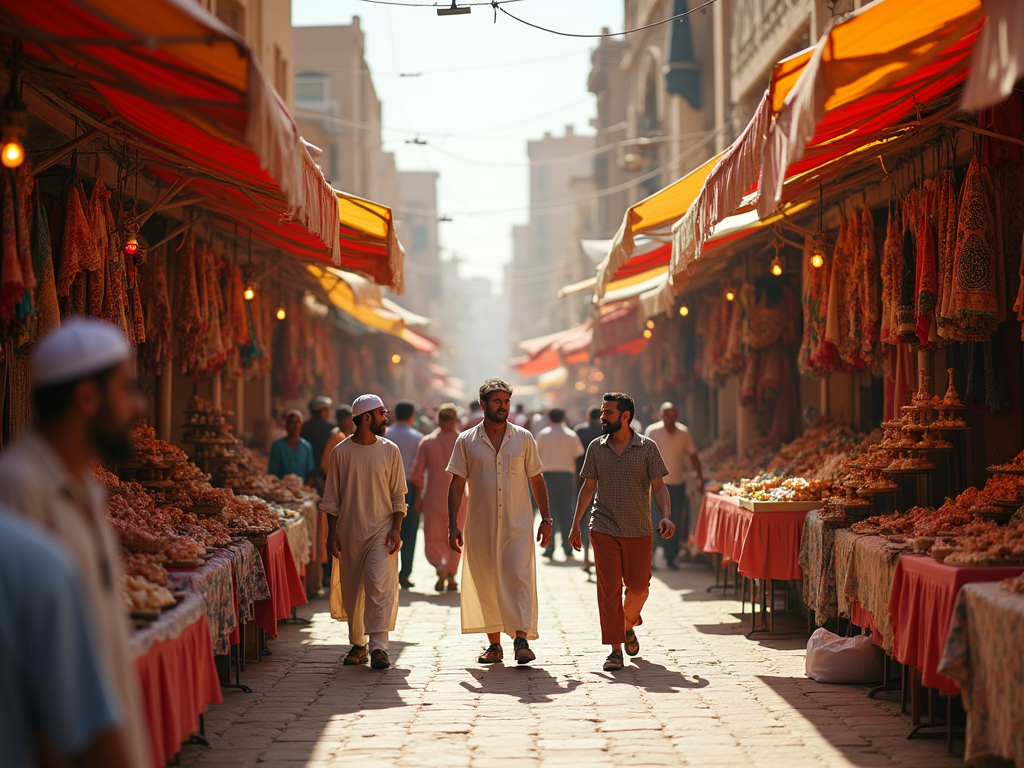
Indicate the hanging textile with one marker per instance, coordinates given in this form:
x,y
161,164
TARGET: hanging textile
x,y
978,300
814,300
947,223
988,388
891,256
47,306
76,245
12,280
1008,178
188,319
906,308
159,325
925,264
867,275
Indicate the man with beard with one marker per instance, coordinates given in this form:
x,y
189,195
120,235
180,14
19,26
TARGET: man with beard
x,y
620,472
500,463
87,401
365,502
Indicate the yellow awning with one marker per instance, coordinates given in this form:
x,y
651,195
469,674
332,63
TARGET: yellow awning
x,y
342,296
655,213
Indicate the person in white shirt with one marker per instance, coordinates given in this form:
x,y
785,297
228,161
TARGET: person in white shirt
x,y
679,452
559,448
408,439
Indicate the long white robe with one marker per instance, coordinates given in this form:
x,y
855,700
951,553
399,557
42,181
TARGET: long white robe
x,y
499,570
365,488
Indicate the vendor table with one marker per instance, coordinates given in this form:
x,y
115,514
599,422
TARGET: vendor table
x,y
864,570
764,545
924,592
983,656
284,582
817,561
214,581
177,676
297,531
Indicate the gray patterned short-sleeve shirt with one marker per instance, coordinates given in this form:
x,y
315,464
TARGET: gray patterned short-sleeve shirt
x,y
622,503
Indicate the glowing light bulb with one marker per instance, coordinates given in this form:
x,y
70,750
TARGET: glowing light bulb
x,y
13,153
684,311
648,334
776,266
730,295
396,359
281,314
650,325
817,261
580,386
248,294
131,246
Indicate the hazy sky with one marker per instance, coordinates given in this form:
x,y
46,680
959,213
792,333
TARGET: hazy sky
x,y
485,89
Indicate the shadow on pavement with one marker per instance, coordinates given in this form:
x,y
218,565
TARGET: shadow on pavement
x,y
531,685
407,597
654,678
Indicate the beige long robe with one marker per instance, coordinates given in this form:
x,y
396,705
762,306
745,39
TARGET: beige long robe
x,y
499,568
365,488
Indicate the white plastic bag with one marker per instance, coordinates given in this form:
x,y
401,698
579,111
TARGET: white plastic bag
x,y
835,659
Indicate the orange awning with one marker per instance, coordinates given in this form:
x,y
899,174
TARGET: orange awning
x,y
189,94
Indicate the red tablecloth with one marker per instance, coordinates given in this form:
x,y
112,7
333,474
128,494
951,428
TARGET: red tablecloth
x,y
764,545
178,680
286,590
921,606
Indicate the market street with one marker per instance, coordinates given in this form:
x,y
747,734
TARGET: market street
x,y
700,693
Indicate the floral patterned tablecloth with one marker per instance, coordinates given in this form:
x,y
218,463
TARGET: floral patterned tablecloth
x,y
983,654
250,578
299,541
214,582
169,625
817,559
864,571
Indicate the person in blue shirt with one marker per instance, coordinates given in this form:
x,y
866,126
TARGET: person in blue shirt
x,y
55,699
291,454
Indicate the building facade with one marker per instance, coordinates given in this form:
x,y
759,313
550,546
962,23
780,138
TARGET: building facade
x,y
417,224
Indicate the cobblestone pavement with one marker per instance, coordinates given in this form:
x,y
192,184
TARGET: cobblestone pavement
x,y
700,693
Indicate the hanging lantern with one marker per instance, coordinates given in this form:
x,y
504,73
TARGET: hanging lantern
x,y
396,359
648,334
13,123
776,266
730,295
248,294
650,325
281,314
684,311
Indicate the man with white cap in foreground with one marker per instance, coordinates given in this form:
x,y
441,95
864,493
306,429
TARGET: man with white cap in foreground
x,y
87,401
501,464
364,499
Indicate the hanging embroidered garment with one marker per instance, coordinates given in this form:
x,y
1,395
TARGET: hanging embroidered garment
x,y
814,299
12,280
925,278
76,247
849,299
946,247
870,290
47,306
906,327
891,250
159,325
1018,305
978,297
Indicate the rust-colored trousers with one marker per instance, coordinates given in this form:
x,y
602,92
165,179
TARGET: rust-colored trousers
x,y
621,563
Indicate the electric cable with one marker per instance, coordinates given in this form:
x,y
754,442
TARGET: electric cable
x,y
496,5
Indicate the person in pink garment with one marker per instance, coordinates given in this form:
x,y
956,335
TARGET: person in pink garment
x,y
435,450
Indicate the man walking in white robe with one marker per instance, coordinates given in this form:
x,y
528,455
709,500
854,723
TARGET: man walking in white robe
x,y
501,464
364,499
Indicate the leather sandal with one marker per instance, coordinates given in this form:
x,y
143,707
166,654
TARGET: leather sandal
x,y
493,654
523,653
379,659
614,662
357,655
632,645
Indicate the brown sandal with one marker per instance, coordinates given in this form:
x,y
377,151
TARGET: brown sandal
x,y
493,654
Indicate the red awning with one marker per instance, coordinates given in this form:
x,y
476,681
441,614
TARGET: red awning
x,y
188,93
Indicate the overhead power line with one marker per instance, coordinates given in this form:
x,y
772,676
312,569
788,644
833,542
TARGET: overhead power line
x,y
496,5
436,5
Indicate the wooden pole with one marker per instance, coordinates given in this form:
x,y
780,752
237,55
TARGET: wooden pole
x,y
164,401
240,404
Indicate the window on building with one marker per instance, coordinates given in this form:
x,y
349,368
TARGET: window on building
x,y
311,88
420,237
232,13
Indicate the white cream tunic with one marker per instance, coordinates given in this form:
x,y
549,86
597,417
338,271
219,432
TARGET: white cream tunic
x,y
35,483
365,488
499,571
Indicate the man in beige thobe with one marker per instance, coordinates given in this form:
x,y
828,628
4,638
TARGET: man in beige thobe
x,y
364,499
87,401
500,463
